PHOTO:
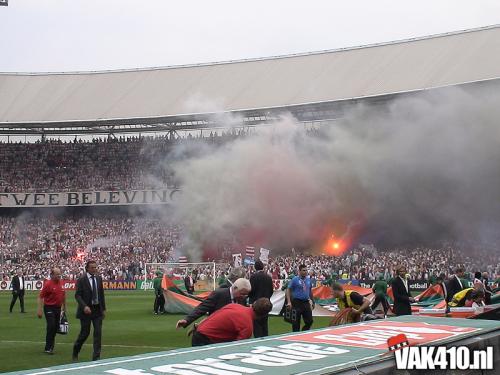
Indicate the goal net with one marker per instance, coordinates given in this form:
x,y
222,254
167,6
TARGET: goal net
x,y
203,274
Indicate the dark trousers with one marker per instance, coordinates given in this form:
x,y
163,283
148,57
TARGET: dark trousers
x,y
380,298
15,296
52,316
159,306
303,309
96,320
260,327
199,339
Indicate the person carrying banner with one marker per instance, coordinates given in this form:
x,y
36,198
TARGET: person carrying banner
x,y
189,282
359,304
52,299
380,290
476,300
488,292
299,297
454,284
159,305
468,294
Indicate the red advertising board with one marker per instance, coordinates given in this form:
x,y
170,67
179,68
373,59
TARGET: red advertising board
x,y
374,334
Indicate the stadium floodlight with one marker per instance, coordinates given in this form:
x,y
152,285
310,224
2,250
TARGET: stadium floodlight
x,y
181,270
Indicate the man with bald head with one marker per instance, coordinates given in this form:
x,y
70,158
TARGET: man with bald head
x,y
237,293
52,299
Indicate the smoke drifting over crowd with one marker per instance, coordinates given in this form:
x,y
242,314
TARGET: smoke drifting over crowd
x,y
422,168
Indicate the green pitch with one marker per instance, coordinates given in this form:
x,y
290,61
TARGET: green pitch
x,y
129,328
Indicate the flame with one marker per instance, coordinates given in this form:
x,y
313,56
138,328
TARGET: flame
x,y
80,255
334,247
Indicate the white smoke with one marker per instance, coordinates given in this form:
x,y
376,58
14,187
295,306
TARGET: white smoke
x,y
421,168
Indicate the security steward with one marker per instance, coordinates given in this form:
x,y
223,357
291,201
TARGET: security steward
x,y
349,298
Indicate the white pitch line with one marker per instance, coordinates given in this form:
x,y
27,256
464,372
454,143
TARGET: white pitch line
x,y
342,364
69,343
169,354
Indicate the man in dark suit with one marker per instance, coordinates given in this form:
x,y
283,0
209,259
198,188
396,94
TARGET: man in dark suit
x,y
262,287
91,309
454,284
219,298
401,292
488,292
441,281
189,283
18,290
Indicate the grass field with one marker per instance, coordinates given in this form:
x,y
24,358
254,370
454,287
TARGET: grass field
x,y
129,328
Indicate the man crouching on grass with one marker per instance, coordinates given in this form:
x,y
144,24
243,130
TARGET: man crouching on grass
x,y
231,323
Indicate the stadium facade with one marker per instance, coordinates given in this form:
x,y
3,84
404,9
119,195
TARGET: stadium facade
x,y
314,87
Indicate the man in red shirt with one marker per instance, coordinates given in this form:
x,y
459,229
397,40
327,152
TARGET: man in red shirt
x,y
231,323
53,299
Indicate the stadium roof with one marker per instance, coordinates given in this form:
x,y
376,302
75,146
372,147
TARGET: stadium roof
x,y
154,95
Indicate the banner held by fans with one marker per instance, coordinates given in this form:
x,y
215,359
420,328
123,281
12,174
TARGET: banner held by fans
x,y
250,252
264,255
237,260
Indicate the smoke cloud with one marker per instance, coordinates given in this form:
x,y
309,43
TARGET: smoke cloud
x,y
419,169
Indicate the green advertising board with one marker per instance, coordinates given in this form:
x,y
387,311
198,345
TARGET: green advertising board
x,y
322,351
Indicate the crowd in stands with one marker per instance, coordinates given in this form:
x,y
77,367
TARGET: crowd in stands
x,y
423,263
121,245
124,163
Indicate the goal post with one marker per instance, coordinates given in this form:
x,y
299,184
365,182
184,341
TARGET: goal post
x,y
180,270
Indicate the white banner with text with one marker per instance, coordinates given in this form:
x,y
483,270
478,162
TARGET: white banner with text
x,y
89,198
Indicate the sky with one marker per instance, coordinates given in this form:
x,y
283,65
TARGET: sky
x,y
76,35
